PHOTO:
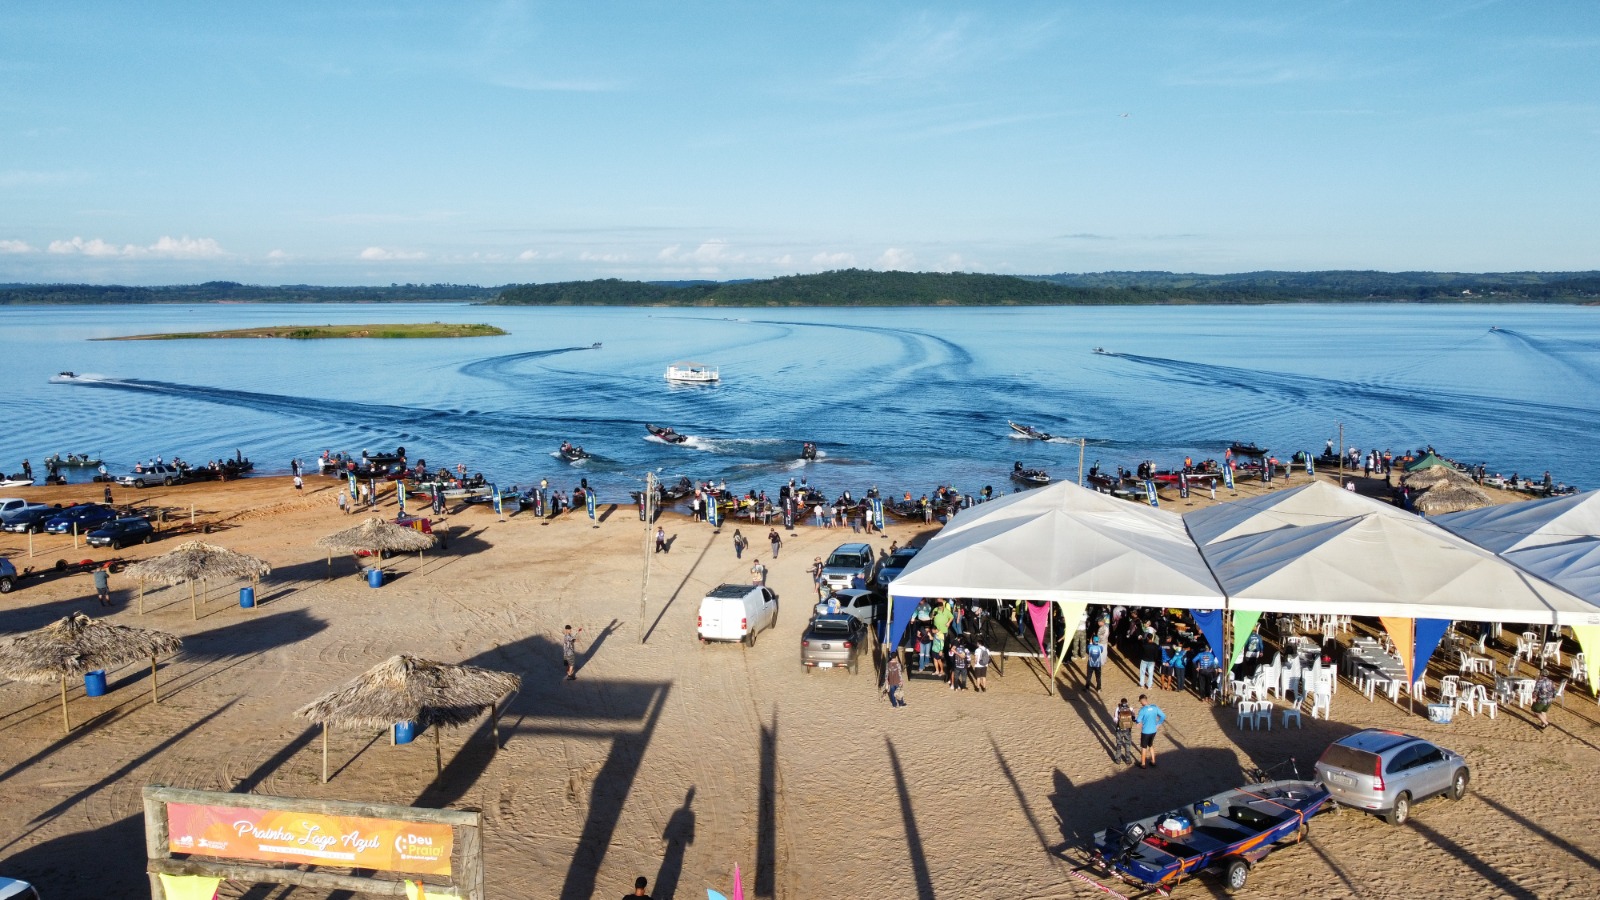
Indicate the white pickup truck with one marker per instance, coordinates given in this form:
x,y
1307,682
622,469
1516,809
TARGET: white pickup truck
x,y
17,514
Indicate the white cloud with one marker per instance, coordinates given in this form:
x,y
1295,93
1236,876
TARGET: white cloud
x,y
834,260
528,254
15,247
896,260
166,247
590,256
381,255
277,254
715,250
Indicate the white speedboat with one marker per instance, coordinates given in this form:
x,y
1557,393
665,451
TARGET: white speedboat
x,y
692,373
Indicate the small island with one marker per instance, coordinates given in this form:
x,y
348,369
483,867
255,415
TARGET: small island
x,y
317,332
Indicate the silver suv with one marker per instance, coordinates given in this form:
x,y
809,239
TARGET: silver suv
x,y
1385,772
846,563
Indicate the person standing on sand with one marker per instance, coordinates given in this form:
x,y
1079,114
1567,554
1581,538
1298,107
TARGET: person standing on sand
x,y
344,506
102,584
738,544
758,573
299,483
661,539
1097,661
1150,718
894,682
775,541
980,667
1544,691
108,495
569,651
639,885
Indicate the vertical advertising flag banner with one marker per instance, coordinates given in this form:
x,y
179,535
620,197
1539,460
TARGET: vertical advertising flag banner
x,y
1311,467
400,495
499,504
1150,492
588,499
877,512
1227,475
385,845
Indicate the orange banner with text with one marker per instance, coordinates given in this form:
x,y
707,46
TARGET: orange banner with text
x,y
388,845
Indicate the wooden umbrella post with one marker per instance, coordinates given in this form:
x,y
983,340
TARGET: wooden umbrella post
x,y
324,752
494,723
194,612
330,562
438,755
141,598
66,723
155,684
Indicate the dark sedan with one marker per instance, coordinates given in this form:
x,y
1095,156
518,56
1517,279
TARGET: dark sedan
x,y
119,533
86,516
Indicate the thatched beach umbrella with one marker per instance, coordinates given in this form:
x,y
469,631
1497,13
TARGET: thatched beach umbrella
x,y
375,536
195,561
1449,497
1432,476
407,689
79,644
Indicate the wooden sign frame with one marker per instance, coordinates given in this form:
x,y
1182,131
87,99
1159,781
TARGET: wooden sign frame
x,y
466,826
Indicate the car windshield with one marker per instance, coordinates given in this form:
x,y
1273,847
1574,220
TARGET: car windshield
x,y
845,561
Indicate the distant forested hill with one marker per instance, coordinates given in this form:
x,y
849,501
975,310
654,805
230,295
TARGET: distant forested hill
x,y
233,292
854,287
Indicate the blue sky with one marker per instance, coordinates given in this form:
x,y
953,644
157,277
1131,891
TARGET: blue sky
x,y
345,143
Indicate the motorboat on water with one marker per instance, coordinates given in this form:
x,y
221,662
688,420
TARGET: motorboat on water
x,y
666,434
808,451
1249,449
1232,831
1028,431
1102,351
572,452
669,493
692,373
72,460
1029,477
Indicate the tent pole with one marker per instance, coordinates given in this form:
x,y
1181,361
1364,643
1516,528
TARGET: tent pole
x,y
1049,642
66,723
324,752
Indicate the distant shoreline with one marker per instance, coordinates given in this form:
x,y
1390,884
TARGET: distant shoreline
x,y
325,332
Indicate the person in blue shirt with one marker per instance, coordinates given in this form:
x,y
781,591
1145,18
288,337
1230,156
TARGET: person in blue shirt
x,y
1180,659
1205,673
1097,660
1150,719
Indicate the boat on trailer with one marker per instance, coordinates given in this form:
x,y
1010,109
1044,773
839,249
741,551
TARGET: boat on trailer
x,y
1231,831
692,373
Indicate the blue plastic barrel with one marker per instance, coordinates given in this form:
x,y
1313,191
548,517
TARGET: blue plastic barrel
x,y
405,732
247,597
374,577
94,683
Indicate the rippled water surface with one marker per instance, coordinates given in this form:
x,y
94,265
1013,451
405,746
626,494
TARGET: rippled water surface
x,y
905,399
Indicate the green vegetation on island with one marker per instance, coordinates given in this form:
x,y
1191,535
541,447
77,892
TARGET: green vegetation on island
x,y
318,332
854,287
234,292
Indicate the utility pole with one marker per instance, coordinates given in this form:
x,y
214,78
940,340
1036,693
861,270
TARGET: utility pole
x,y
1080,461
648,501
1340,450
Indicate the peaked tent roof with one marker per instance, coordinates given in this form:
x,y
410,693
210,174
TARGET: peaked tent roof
x,y
1309,554
1557,539
1309,504
1063,543
1431,459
1514,526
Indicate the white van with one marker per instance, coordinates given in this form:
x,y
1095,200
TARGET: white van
x,y
735,612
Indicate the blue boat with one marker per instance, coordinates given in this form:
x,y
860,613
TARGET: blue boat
x,y
1232,831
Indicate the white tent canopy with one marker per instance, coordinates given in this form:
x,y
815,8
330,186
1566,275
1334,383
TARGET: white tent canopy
x,y
1321,550
1556,539
1063,543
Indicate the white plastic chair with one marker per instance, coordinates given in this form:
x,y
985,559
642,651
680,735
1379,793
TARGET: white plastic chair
x,y
1449,688
1552,648
1468,700
1322,700
1580,669
1528,647
1293,711
1263,713
1483,701
1247,713
1560,696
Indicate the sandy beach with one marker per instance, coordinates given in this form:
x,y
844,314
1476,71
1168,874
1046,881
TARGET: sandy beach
x,y
676,761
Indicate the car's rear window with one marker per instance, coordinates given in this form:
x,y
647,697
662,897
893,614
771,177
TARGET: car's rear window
x,y
831,625
845,561
1340,756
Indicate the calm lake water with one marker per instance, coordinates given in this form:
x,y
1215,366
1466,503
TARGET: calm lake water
x,y
905,399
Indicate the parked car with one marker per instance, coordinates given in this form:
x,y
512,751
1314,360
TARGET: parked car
x,y
832,642
8,576
890,568
12,889
22,516
119,533
736,612
156,474
846,563
862,604
87,516
1385,772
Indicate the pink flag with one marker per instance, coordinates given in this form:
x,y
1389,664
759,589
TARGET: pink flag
x,y
738,883
1038,611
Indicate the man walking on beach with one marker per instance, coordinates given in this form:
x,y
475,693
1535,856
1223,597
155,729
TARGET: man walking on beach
x,y
102,584
569,651
1097,659
775,541
758,573
1150,719
894,680
661,539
